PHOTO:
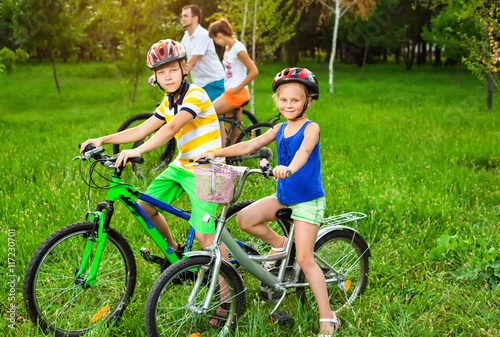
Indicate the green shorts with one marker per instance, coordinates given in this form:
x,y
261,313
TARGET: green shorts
x,y
310,211
168,187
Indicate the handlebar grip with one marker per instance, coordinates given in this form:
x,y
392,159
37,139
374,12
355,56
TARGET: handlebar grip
x,y
138,160
87,148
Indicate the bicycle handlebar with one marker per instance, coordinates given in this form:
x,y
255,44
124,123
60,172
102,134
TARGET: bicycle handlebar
x,y
91,151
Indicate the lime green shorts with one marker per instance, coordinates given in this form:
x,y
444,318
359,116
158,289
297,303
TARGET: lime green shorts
x,y
168,187
310,211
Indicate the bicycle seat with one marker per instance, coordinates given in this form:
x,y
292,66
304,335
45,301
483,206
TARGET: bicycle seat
x,y
244,104
284,214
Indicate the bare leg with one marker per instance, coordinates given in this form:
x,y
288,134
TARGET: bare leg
x,y
160,223
251,220
305,238
236,131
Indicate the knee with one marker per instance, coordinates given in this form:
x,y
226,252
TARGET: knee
x,y
243,220
306,261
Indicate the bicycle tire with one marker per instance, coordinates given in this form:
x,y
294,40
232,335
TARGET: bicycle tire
x,y
167,311
251,117
155,160
58,303
253,159
350,250
249,243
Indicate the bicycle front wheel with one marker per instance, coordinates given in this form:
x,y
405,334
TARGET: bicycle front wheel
x,y
175,303
56,299
343,257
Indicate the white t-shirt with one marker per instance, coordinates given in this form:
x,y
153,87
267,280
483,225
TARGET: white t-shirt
x,y
208,69
235,70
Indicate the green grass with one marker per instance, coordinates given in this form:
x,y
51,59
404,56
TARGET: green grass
x,y
416,151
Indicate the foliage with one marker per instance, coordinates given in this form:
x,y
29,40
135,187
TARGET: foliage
x,y
484,52
8,59
2,68
21,55
483,260
275,23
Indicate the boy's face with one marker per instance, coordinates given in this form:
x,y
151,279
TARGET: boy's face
x,y
291,100
169,76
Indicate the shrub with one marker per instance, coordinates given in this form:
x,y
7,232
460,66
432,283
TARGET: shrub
x,y
8,59
22,56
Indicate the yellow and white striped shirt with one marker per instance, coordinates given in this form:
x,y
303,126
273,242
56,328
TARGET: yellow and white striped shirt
x,y
202,133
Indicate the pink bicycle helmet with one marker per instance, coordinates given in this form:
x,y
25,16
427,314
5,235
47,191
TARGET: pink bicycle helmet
x,y
165,51
298,75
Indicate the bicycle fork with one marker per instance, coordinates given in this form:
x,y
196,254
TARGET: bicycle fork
x,y
100,239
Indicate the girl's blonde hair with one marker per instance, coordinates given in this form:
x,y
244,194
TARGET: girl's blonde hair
x,y
276,95
222,26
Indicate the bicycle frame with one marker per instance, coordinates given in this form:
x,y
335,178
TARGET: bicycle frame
x,y
126,194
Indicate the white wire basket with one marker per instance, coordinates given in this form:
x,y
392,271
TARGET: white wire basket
x,y
215,183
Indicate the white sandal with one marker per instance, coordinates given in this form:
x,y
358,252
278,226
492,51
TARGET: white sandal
x,y
270,264
334,321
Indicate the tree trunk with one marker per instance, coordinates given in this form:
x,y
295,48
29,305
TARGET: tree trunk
x,y
490,91
364,62
334,44
437,57
53,59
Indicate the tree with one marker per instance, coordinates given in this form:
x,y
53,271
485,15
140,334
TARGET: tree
x,y
484,52
361,8
49,26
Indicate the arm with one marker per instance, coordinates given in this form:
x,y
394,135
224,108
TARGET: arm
x,y
163,135
192,61
242,148
127,136
252,71
311,138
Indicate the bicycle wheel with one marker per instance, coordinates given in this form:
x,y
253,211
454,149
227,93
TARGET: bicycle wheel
x,y
154,161
248,119
249,243
252,159
55,299
168,309
342,255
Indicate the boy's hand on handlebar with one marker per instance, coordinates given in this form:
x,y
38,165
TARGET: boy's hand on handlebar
x,y
96,143
204,156
281,172
125,155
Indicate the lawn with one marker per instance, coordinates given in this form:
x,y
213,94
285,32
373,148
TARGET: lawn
x,y
416,151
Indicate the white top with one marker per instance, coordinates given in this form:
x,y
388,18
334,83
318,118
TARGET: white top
x,y
235,70
208,69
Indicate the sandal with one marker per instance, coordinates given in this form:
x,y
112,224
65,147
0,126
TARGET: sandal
x,y
219,318
334,321
271,264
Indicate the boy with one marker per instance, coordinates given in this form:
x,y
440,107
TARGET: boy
x,y
187,114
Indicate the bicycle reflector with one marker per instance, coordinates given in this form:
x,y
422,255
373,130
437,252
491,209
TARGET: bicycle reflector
x,y
100,313
347,285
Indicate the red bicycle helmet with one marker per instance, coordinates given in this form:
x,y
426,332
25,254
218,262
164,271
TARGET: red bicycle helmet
x,y
165,51
298,75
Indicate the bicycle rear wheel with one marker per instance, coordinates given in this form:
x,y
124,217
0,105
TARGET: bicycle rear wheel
x,y
169,311
342,255
253,159
56,300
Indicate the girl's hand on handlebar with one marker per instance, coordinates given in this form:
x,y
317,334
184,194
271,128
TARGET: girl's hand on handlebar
x,y
97,142
281,172
204,155
125,155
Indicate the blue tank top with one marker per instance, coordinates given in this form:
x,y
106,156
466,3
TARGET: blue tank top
x,y
306,184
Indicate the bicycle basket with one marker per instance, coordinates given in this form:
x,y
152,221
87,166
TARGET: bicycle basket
x,y
215,183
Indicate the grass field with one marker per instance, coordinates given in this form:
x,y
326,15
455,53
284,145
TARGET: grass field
x,y
416,151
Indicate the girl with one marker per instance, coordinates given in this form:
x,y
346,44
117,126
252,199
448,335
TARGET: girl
x,y
298,153
236,63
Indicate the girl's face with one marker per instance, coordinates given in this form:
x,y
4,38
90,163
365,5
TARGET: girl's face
x,y
291,100
169,76
218,39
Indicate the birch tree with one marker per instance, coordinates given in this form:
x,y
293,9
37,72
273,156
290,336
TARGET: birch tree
x,y
361,8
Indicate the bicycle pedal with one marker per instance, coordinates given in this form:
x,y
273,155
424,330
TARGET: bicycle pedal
x,y
146,255
281,317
